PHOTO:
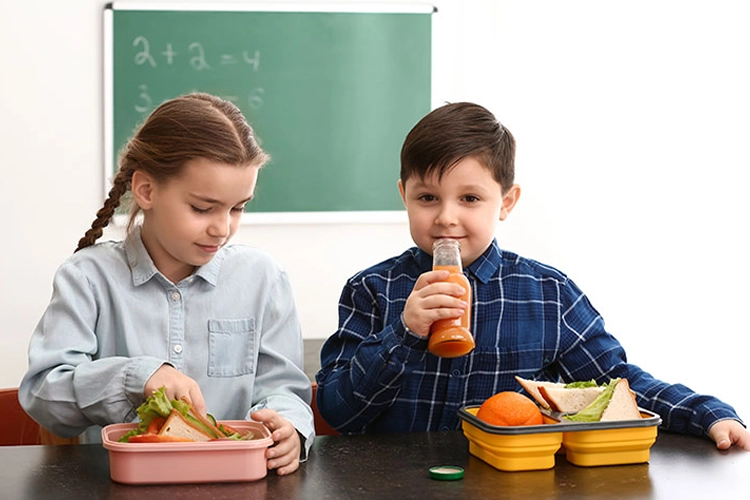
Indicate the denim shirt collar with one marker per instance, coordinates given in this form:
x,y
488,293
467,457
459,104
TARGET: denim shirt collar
x,y
142,267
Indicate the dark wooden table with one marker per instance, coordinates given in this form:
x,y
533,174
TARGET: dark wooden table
x,y
395,467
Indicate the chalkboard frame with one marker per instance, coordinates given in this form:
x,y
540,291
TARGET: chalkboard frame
x,y
258,217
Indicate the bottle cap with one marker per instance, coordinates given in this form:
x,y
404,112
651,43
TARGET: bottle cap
x,y
446,472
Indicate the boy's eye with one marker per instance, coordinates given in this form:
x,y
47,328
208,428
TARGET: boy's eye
x,y
199,210
426,197
471,198
239,209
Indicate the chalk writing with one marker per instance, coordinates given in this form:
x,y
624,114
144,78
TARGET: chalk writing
x,y
144,56
145,102
199,60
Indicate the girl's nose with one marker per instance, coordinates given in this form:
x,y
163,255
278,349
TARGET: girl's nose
x,y
220,225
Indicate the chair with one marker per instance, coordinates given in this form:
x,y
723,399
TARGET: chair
x,y
16,427
321,426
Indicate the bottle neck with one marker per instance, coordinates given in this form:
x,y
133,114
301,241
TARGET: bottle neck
x,y
446,252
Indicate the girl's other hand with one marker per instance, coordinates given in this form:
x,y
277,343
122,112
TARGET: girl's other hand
x,y
284,454
178,385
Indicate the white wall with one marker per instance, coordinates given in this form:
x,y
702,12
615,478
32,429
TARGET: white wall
x,y
631,122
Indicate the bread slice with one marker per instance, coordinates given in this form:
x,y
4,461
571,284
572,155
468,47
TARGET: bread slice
x,y
177,425
533,386
570,400
623,405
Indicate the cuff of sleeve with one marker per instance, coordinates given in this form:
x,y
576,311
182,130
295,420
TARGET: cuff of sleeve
x,y
136,375
409,338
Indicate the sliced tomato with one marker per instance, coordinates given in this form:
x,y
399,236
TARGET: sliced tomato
x,y
155,425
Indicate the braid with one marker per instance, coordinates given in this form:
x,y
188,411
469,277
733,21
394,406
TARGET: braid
x,y
120,186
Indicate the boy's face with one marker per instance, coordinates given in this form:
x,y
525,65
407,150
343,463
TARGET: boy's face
x,y
465,205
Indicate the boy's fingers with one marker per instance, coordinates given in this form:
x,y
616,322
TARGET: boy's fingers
x,y
429,278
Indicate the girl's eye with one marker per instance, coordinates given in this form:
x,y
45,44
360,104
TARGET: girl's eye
x,y
199,210
239,209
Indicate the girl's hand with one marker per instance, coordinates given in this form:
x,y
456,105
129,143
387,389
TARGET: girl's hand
x,y
178,385
729,432
432,299
284,454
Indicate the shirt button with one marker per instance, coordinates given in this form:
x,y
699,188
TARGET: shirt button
x,y
175,296
177,348
456,373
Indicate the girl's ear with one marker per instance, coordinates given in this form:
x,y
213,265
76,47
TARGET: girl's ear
x,y
142,187
509,201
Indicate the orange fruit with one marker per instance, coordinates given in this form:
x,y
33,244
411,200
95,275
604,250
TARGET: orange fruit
x,y
510,408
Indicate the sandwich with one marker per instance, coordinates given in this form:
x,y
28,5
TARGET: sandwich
x,y
585,401
533,387
571,398
163,420
615,402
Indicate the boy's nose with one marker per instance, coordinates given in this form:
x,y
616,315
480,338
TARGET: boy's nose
x,y
446,216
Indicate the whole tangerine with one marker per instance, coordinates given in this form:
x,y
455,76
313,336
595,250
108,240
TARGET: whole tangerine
x,y
510,408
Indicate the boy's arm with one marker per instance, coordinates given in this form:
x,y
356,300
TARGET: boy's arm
x,y
595,353
364,362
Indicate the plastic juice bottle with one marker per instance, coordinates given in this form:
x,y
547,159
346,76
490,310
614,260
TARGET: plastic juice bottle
x,y
451,338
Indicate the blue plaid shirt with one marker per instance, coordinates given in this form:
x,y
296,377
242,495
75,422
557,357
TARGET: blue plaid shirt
x,y
529,319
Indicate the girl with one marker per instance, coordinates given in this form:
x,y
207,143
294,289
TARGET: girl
x,y
174,305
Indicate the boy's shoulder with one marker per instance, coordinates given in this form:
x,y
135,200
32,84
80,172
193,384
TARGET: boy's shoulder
x,y
511,262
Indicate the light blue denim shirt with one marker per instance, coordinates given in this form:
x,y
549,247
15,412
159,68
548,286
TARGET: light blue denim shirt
x,y
114,319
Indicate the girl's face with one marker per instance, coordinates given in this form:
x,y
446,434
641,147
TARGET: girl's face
x,y
189,218
464,205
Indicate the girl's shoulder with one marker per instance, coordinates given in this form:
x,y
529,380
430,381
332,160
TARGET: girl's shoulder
x,y
102,254
241,255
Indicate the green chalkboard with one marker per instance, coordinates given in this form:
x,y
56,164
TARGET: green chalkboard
x,y
331,95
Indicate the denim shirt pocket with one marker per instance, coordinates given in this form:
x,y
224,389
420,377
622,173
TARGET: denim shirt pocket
x,y
231,347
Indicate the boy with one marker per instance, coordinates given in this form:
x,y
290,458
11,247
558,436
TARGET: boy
x,y
531,320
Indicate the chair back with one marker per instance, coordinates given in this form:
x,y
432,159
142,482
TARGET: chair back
x,y
16,426
321,426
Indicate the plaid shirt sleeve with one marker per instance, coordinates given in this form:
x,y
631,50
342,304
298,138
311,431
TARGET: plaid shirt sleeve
x,y
368,358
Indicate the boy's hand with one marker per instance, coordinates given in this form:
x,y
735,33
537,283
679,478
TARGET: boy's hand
x,y
729,432
284,454
178,385
432,299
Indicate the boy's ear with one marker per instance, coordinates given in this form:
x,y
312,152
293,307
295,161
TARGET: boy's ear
x,y
401,190
509,201
142,187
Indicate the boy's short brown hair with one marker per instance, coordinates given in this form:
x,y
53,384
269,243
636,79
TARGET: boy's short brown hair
x,y
455,131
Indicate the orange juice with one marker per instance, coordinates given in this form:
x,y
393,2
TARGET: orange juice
x,y
451,338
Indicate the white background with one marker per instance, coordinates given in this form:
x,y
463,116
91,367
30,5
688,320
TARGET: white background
x,y
631,120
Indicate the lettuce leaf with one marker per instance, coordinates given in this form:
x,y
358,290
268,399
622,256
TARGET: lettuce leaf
x,y
593,412
581,385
